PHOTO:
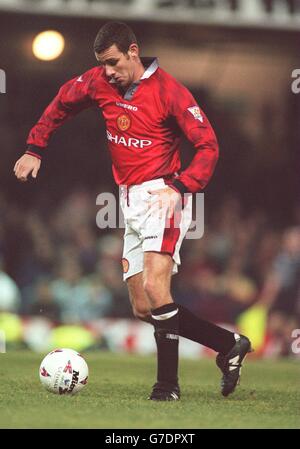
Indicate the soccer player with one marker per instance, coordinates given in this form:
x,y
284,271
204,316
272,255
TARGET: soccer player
x,y
145,111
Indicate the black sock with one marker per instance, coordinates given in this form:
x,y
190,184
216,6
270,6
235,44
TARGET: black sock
x,y
167,338
204,332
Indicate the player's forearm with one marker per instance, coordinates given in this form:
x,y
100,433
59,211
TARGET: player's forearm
x,y
40,134
197,175
53,117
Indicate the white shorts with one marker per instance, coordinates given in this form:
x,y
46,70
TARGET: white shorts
x,y
146,231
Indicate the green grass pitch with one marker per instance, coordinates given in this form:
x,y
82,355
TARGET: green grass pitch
x,y
116,395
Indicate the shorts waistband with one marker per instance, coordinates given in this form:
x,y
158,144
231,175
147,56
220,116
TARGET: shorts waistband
x,y
143,185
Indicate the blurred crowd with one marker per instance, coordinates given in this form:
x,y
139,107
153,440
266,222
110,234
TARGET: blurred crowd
x,y
58,264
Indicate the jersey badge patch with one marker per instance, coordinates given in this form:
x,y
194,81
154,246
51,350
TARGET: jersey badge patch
x,y
125,265
123,122
195,111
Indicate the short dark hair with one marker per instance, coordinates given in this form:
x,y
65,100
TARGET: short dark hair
x,y
117,33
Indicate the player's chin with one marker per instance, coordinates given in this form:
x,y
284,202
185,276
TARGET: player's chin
x,y
123,83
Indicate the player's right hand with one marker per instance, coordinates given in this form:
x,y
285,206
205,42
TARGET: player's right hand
x,y
25,165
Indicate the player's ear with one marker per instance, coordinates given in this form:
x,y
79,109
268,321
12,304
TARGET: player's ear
x,y
133,50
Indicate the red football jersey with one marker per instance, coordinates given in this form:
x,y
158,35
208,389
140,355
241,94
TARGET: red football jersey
x,y
143,125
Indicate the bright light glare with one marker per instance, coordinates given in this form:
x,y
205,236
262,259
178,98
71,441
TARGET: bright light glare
x,y
48,45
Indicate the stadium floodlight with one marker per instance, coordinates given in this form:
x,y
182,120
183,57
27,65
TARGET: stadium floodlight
x,y
48,45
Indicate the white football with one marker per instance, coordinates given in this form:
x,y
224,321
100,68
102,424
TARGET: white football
x,y
64,371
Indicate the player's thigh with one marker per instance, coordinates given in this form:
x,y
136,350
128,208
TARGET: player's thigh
x,y
162,239
157,265
138,297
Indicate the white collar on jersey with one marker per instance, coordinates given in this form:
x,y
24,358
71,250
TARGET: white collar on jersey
x,y
151,65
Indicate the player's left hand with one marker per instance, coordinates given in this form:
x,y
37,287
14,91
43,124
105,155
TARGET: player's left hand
x,y
165,200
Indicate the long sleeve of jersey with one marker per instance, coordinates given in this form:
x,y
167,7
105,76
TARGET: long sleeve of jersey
x,y
72,98
196,127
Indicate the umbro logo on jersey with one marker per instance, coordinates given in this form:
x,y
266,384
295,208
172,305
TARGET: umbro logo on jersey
x,y
127,106
151,237
195,111
80,79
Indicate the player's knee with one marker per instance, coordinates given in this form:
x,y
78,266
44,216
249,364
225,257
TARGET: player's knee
x,y
142,314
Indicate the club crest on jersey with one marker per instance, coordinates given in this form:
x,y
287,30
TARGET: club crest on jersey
x,y
195,111
123,122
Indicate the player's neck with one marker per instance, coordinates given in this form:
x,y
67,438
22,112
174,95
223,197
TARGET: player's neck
x,y
139,72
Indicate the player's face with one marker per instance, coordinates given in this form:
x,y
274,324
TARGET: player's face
x,y
119,66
